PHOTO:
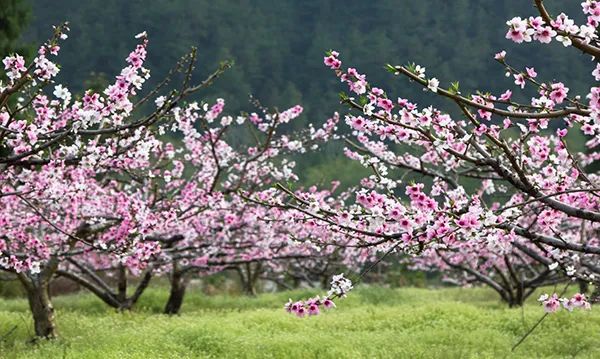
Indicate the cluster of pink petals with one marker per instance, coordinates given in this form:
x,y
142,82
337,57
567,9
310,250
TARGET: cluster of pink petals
x,y
309,307
553,303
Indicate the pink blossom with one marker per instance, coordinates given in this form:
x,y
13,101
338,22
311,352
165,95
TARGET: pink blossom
x,y
558,92
520,80
531,72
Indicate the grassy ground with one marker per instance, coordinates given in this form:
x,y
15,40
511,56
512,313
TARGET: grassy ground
x,y
372,322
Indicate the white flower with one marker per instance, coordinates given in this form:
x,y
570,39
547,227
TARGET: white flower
x,y
588,33
137,81
35,268
433,84
368,109
226,121
141,34
240,120
62,93
420,71
160,101
596,72
553,266
565,40
313,206
339,286
294,145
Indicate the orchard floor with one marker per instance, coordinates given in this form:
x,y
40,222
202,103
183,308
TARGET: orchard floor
x,y
371,322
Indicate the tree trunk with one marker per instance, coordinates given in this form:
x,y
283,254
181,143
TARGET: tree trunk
x,y
296,282
595,298
122,283
249,288
41,307
584,286
250,278
516,302
178,287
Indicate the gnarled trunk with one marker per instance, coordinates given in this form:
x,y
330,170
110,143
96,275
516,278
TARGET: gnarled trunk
x,y
38,295
179,284
42,310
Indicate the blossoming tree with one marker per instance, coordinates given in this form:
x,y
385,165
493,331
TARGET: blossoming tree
x,y
193,191
61,162
500,177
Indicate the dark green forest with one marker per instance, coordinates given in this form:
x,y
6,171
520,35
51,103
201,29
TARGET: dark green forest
x,y
278,46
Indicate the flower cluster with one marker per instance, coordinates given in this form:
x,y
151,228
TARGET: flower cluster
x,y
332,60
552,303
311,306
563,29
462,231
340,286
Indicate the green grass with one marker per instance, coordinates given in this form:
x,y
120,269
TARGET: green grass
x,y
371,322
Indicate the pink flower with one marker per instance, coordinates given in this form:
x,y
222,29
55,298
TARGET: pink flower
x,y
313,309
552,304
506,95
536,22
332,62
328,303
544,34
518,30
559,92
358,123
578,300
385,104
588,129
520,80
300,312
481,129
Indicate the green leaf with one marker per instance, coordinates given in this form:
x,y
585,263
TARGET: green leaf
x,y
454,88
